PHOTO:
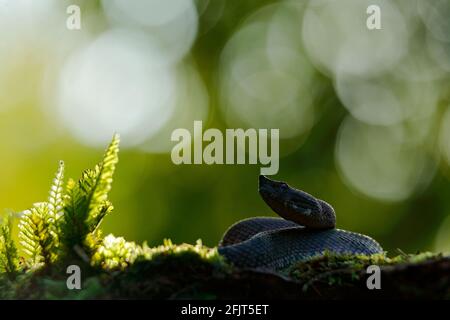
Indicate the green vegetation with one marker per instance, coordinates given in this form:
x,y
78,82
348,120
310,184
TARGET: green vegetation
x,y
64,230
332,269
8,251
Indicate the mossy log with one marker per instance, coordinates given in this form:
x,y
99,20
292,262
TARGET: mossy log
x,y
328,277
197,272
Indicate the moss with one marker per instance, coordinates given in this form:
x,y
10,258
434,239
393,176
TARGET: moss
x,y
172,271
120,272
342,270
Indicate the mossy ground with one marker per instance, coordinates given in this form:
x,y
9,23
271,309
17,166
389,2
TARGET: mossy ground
x,y
403,276
165,271
329,268
197,272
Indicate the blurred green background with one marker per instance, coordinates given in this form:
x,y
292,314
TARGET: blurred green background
x,y
363,114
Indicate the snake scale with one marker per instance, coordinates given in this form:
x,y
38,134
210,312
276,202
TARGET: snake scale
x,y
306,229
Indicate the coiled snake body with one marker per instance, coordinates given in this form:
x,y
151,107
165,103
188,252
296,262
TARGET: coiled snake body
x,y
306,229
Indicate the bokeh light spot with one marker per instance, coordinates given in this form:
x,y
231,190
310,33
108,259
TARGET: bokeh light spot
x,y
114,85
378,162
265,80
337,38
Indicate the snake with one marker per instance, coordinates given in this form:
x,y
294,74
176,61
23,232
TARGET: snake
x,y
306,228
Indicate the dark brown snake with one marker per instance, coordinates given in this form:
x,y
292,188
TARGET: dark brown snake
x,y
306,229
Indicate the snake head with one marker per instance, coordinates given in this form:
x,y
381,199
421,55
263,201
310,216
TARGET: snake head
x,y
272,190
296,205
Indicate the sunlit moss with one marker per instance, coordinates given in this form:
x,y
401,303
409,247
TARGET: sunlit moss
x,y
115,253
170,249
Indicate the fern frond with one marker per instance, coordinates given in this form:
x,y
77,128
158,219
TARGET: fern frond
x,y
104,180
9,260
55,199
97,215
86,201
36,235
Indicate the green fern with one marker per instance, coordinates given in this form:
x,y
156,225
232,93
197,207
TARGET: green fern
x,y
36,236
9,261
38,229
55,199
68,222
86,201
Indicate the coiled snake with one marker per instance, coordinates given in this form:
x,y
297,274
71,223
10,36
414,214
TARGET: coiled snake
x,y
306,229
